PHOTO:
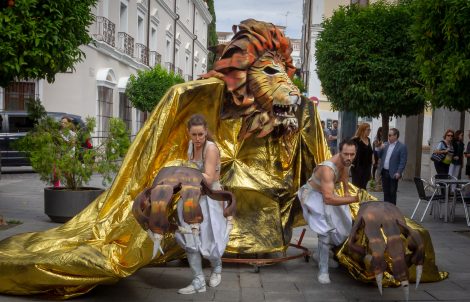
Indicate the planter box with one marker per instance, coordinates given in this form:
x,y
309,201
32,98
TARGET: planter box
x,y
62,204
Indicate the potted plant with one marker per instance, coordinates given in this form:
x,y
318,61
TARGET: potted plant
x,y
64,154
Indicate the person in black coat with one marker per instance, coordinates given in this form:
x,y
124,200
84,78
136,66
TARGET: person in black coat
x,y
362,164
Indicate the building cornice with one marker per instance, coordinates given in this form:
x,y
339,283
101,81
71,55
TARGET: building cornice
x,y
203,10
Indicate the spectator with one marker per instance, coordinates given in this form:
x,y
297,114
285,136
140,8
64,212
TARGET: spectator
x,y
442,149
378,141
323,128
362,164
393,157
467,155
333,138
457,160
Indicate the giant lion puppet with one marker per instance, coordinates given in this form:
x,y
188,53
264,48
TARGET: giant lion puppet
x,y
270,141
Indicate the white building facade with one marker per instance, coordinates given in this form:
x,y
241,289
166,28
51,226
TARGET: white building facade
x,y
129,35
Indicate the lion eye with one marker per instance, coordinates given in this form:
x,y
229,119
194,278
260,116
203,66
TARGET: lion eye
x,y
270,70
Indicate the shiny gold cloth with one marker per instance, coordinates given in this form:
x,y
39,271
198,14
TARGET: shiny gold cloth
x,y
104,243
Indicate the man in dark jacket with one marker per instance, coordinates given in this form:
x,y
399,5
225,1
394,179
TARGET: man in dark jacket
x,y
393,156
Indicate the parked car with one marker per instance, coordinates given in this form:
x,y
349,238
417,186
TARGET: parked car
x,y
14,125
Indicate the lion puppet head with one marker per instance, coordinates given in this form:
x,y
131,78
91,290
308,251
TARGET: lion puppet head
x,y
256,66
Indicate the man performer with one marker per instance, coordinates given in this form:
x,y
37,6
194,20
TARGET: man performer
x,y
326,213
393,156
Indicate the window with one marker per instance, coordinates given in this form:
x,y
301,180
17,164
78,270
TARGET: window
x,y
141,118
20,123
105,110
140,29
125,110
17,93
168,51
153,39
123,18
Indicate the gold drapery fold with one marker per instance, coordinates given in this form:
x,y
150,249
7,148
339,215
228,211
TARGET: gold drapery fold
x,y
104,242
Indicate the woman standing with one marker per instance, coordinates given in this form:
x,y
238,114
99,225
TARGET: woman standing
x,y
467,156
362,164
214,229
457,160
439,154
376,174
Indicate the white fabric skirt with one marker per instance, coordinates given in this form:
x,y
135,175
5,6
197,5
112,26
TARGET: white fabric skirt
x,y
323,219
213,237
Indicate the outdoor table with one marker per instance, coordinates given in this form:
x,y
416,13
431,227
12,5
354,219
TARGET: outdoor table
x,y
447,183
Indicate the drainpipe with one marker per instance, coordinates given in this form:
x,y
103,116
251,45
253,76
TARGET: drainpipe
x,y
308,33
148,32
194,40
174,36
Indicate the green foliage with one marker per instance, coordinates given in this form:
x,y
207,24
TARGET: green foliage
x,y
441,30
61,152
41,38
146,90
299,83
36,110
213,41
365,61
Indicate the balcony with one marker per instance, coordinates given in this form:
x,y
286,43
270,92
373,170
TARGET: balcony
x,y
170,67
126,44
142,53
155,58
179,71
104,30
188,77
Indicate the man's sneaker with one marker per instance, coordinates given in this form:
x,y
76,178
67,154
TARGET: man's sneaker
x,y
324,278
195,287
215,279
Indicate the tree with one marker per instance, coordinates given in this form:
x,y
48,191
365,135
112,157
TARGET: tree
x,y
41,38
441,30
365,61
213,40
147,88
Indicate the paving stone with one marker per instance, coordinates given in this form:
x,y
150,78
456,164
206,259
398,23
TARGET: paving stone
x,y
250,280
227,295
284,297
252,294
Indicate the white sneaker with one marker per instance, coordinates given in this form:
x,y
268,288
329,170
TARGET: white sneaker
x,y
194,287
324,278
215,279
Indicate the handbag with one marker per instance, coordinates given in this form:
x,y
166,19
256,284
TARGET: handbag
x,y
437,157
448,158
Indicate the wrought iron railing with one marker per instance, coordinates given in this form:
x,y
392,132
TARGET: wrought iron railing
x,y
154,58
179,71
126,43
142,53
104,30
170,67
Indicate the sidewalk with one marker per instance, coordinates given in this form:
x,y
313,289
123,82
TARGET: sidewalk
x,y
21,198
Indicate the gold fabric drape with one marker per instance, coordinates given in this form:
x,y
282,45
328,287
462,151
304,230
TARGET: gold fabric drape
x,y
105,243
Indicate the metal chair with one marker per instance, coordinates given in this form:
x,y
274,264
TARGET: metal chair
x,y
421,186
460,191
